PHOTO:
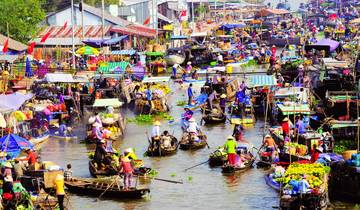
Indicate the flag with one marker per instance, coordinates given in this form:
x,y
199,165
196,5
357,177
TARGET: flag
x,y
64,26
6,46
31,47
147,21
44,38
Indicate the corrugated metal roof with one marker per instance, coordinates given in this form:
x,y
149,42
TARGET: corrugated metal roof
x,y
13,44
61,32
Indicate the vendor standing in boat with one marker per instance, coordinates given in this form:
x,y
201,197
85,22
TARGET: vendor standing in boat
x,y
155,134
31,158
222,103
230,148
127,169
100,153
190,94
96,131
238,132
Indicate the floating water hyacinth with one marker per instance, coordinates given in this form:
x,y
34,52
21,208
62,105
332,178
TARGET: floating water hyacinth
x,y
181,103
150,118
173,174
190,178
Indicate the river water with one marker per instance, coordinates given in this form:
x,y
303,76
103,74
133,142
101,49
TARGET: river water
x,y
203,188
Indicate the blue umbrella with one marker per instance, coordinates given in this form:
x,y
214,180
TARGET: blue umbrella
x,y
13,144
28,70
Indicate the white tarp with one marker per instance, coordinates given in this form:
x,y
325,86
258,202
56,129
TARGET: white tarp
x,y
13,102
155,79
59,77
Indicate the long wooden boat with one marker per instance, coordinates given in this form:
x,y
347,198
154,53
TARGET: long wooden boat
x,y
162,151
228,169
94,188
95,172
311,200
40,139
187,144
272,183
212,120
60,137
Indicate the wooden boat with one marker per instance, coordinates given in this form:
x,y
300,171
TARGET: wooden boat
x,y
214,119
217,158
95,188
272,183
110,171
56,135
162,151
40,139
228,169
187,143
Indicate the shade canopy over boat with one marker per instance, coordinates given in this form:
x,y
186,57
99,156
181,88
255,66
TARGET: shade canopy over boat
x,y
13,144
155,79
114,102
12,102
294,109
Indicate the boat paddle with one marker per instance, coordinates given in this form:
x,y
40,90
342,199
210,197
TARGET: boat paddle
x,y
115,179
164,180
196,165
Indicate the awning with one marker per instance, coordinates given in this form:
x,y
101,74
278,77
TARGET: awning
x,y
105,42
328,42
164,18
13,101
115,40
294,109
229,26
8,58
59,77
114,102
81,79
155,79
116,67
267,12
123,52
262,80
135,30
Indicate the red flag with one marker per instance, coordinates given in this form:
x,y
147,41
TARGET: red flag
x,y
44,38
6,46
147,21
64,26
31,47
183,13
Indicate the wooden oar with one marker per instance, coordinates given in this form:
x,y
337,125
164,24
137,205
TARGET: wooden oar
x,y
196,165
115,179
164,180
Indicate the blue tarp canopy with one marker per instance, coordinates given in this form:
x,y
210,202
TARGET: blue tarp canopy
x,y
262,80
13,102
13,144
229,26
97,43
123,52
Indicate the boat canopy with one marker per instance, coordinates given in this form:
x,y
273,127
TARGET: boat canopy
x,y
230,26
155,79
12,102
294,109
179,37
59,77
123,52
105,102
115,67
262,80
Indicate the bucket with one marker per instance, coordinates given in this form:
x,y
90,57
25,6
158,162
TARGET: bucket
x,y
348,153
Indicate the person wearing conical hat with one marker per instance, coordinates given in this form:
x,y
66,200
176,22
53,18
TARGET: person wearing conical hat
x,y
285,126
230,148
222,102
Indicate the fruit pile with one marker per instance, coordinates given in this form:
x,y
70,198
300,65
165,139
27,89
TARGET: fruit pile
x,y
165,89
314,173
296,149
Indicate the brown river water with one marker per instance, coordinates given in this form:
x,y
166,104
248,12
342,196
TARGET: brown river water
x,y
203,188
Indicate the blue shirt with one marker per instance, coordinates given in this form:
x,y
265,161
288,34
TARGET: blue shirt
x,y
190,92
300,126
148,94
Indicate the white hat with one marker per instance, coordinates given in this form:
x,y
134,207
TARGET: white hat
x,y
192,120
319,149
96,124
102,141
230,138
8,165
189,62
285,119
267,136
129,150
223,96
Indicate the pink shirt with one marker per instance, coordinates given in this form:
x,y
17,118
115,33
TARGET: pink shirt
x,y
126,167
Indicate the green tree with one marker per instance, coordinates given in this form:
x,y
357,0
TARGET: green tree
x,y
23,18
